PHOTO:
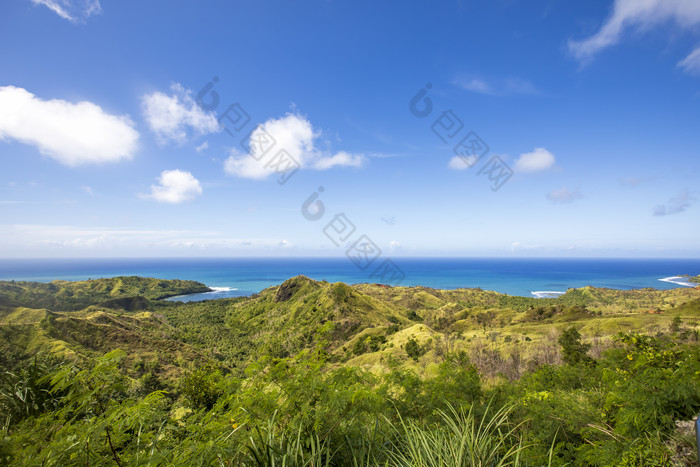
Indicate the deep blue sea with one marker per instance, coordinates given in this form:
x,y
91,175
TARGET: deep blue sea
x,y
240,277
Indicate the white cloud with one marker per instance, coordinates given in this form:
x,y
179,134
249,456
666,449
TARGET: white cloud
x,y
458,163
691,63
296,136
73,10
536,161
175,186
47,240
476,85
73,134
497,87
640,15
519,246
202,147
341,159
173,117
675,205
563,195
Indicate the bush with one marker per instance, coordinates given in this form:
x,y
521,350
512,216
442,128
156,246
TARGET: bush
x,y
572,349
200,388
414,349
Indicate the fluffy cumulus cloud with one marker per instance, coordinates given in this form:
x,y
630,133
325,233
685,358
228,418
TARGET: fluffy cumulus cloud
x,y
675,205
176,117
563,195
73,134
290,138
641,15
175,186
536,161
74,11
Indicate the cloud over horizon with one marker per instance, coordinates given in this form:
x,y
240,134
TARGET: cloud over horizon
x,y
77,240
72,134
675,205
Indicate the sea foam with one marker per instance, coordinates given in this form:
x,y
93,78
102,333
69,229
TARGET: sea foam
x,y
221,289
547,294
678,280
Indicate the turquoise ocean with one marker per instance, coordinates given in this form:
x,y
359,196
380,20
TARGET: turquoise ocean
x,y
231,277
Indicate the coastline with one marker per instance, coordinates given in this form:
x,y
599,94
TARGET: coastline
x,y
679,280
547,294
212,290
216,293
512,276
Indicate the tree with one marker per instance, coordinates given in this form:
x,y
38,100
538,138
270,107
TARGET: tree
x,y
676,324
572,349
360,346
414,349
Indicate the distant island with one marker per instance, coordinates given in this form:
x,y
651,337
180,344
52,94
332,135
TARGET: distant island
x,y
345,372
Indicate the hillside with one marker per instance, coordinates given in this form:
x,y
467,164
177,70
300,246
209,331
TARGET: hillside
x,y
369,324
365,324
316,373
84,335
116,292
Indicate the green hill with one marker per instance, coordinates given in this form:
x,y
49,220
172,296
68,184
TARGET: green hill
x,y
283,320
364,320
80,336
116,291
316,373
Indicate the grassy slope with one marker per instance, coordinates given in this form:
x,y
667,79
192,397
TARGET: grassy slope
x,y
92,332
282,320
116,291
32,320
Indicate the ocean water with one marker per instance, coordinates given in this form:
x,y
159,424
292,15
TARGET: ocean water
x,y
245,276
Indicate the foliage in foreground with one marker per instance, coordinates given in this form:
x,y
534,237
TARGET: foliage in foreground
x,y
620,409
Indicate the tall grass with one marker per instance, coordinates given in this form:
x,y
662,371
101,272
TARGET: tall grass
x,y
463,439
286,448
26,391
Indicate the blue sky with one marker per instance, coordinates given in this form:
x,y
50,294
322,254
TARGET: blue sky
x,y
111,143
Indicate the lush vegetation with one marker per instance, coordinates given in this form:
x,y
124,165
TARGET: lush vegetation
x,y
312,373
117,292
